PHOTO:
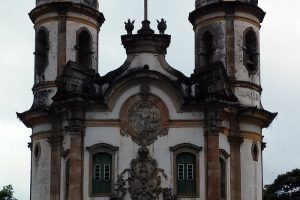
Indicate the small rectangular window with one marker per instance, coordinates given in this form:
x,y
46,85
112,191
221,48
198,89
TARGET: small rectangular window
x,y
180,172
106,172
190,171
97,172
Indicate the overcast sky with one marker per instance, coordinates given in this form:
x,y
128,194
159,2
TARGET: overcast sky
x,y
280,71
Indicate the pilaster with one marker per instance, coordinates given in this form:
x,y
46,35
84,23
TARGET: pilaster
x,y
55,143
212,131
76,131
235,166
229,39
61,41
213,165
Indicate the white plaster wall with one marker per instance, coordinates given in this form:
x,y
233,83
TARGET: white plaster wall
x,y
150,59
66,142
72,28
41,168
251,175
63,179
41,128
241,71
250,127
159,150
51,69
223,143
115,113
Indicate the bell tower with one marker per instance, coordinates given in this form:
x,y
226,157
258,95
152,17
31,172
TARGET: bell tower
x,y
228,31
65,30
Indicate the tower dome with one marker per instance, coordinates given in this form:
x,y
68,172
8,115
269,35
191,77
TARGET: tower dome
x,y
91,3
200,3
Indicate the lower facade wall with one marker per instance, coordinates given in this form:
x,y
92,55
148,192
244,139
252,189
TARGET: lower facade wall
x,y
159,150
41,166
251,173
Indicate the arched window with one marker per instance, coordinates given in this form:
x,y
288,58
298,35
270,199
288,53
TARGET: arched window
x,y
41,54
206,49
84,48
101,169
223,178
186,170
67,168
250,51
223,173
255,151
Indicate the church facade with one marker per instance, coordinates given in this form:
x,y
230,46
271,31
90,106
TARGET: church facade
x,y
146,131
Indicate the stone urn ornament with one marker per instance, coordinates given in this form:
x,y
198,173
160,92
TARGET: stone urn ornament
x,y
129,26
162,26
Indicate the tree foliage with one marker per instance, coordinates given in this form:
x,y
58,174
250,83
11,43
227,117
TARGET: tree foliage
x,y
285,187
7,193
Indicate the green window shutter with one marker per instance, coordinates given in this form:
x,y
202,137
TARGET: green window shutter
x,y
102,163
186,174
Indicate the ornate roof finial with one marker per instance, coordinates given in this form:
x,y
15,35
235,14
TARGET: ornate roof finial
x,y
145,24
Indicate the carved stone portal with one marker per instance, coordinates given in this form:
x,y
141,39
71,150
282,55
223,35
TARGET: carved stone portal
x,y
144,118
144,180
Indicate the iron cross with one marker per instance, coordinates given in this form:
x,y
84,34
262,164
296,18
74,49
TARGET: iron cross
x,y
146,9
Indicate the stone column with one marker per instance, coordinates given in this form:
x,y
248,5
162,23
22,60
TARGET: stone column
x,y
55,143
235,166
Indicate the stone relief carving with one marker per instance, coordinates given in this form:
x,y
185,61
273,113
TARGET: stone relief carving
x,y
144,118
144,180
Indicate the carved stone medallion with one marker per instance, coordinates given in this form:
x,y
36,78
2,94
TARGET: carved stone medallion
x,y
144,119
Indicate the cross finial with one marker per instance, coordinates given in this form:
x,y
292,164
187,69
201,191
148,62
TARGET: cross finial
x,y
145,10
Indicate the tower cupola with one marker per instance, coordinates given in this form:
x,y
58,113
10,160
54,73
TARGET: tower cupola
x,y
201,3
91,3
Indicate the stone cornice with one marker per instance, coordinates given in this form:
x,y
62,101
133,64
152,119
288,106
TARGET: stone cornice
x,y
33,117
146,42
98,146
245,84
62,8
186,145
229,8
